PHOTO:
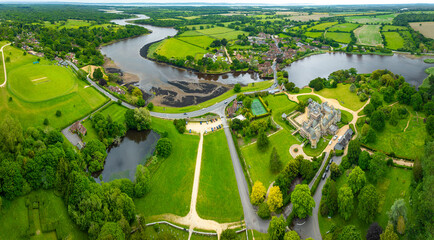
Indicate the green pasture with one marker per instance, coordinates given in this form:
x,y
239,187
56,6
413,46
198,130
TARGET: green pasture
x,y
394,41
343,95
376,19
395,185
339,37
257,107
406,144
175,48
172,178
344,27
258,162
314,34
41,82
257,86
2,73
394,28
77,103
322,26
14,218
200,41
368,35
218,197
221,32
306,90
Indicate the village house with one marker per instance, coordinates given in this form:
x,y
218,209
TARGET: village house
x,y
321,120
78,128
116,89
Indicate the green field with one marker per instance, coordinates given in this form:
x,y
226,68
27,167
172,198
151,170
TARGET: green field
x,y
406,144
395,185
218,197
280,104
257,86
368,35
175,48
387,18
221,32
257,107
320,146
314,34
258,162
305,98
394,28
394,41
344,27
172,183
77,103
322,26
343,95
14,218
339,37
200,41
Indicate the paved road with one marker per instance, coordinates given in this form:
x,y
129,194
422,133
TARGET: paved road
x,y
4,65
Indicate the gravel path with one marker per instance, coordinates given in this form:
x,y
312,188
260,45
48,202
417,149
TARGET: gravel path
x,y
4,65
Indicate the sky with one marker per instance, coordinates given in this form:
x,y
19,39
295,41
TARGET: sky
x,y
277,2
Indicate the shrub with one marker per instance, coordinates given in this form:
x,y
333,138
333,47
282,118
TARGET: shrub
x,y
141,103
46,122
180,125
150,106
164,147
237,88
264,211
58,113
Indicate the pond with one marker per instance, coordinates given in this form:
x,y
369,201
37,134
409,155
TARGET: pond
x,y
122,159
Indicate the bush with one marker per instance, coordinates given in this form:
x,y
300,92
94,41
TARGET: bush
x,y
141,103
164,147
339,152
237,88
58,113
150,106
119,102
180,125
46,122
264,211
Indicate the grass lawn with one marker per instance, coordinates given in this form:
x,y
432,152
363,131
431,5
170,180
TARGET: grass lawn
x,y
425,83
320,146
344,27
322,26
395,185
257,86
200,41
343,95
393,40
339,37
175,48
258,162
368,35
14,217
221,32
280,104
346,116
314,34
77,103
218,197
305,98
171,183
407,144
150,232
387,18
305,90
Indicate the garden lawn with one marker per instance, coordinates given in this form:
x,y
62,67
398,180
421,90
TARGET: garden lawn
x,y
322,26
172,180
305,98
368,35
344,27
218,197
257,86
339,37
343,95
14,217
258,162
280,104
394,41
346,117
395,185
386,18
320,146
406,144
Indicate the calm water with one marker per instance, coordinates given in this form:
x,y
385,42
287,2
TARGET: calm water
x,y
134,149
302,71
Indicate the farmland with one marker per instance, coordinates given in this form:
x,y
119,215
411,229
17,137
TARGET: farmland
x,y
322,26
344,27
393,40
425,28
376,19
314,34
339,37
368,35
175,48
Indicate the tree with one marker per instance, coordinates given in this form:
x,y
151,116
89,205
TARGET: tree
x,y
349,232
364,160
394,116
137,93
11,134
378,120
263,141
353,88
138,118
229,234
142,181
417,170
258,193
389,234
290,86
377,166
332,199
400,227
111,231
264,211
369,109
94,154
275,163
356,180
276,229
164,147
368,203
374,232
354,151
376,100
335,171
430,125
237,88
370,137
291,235
306,169
397,210
275,199
97,74
247,102
416,101
302,201
345,202
58,113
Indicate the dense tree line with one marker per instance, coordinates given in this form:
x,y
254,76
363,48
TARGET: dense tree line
x,y
404,19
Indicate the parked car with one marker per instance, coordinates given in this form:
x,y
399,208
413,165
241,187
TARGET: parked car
x,y
327,168
339,139
330,143
324,176
335,136
331,160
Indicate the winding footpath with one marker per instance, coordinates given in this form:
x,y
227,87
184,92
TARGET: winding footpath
x,y
4,65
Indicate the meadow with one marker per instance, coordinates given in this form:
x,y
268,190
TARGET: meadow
x,y
394,28
395,185
172,178
339,37
394,41
322,26
344,27
376,19
31,109
343,95
221,32
200,41
175,48
218,198
368,35
314,34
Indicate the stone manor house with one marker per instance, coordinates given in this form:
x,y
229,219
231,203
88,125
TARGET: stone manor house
x,y
321,120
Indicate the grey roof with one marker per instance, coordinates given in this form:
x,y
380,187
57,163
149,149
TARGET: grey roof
x,y
338,146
